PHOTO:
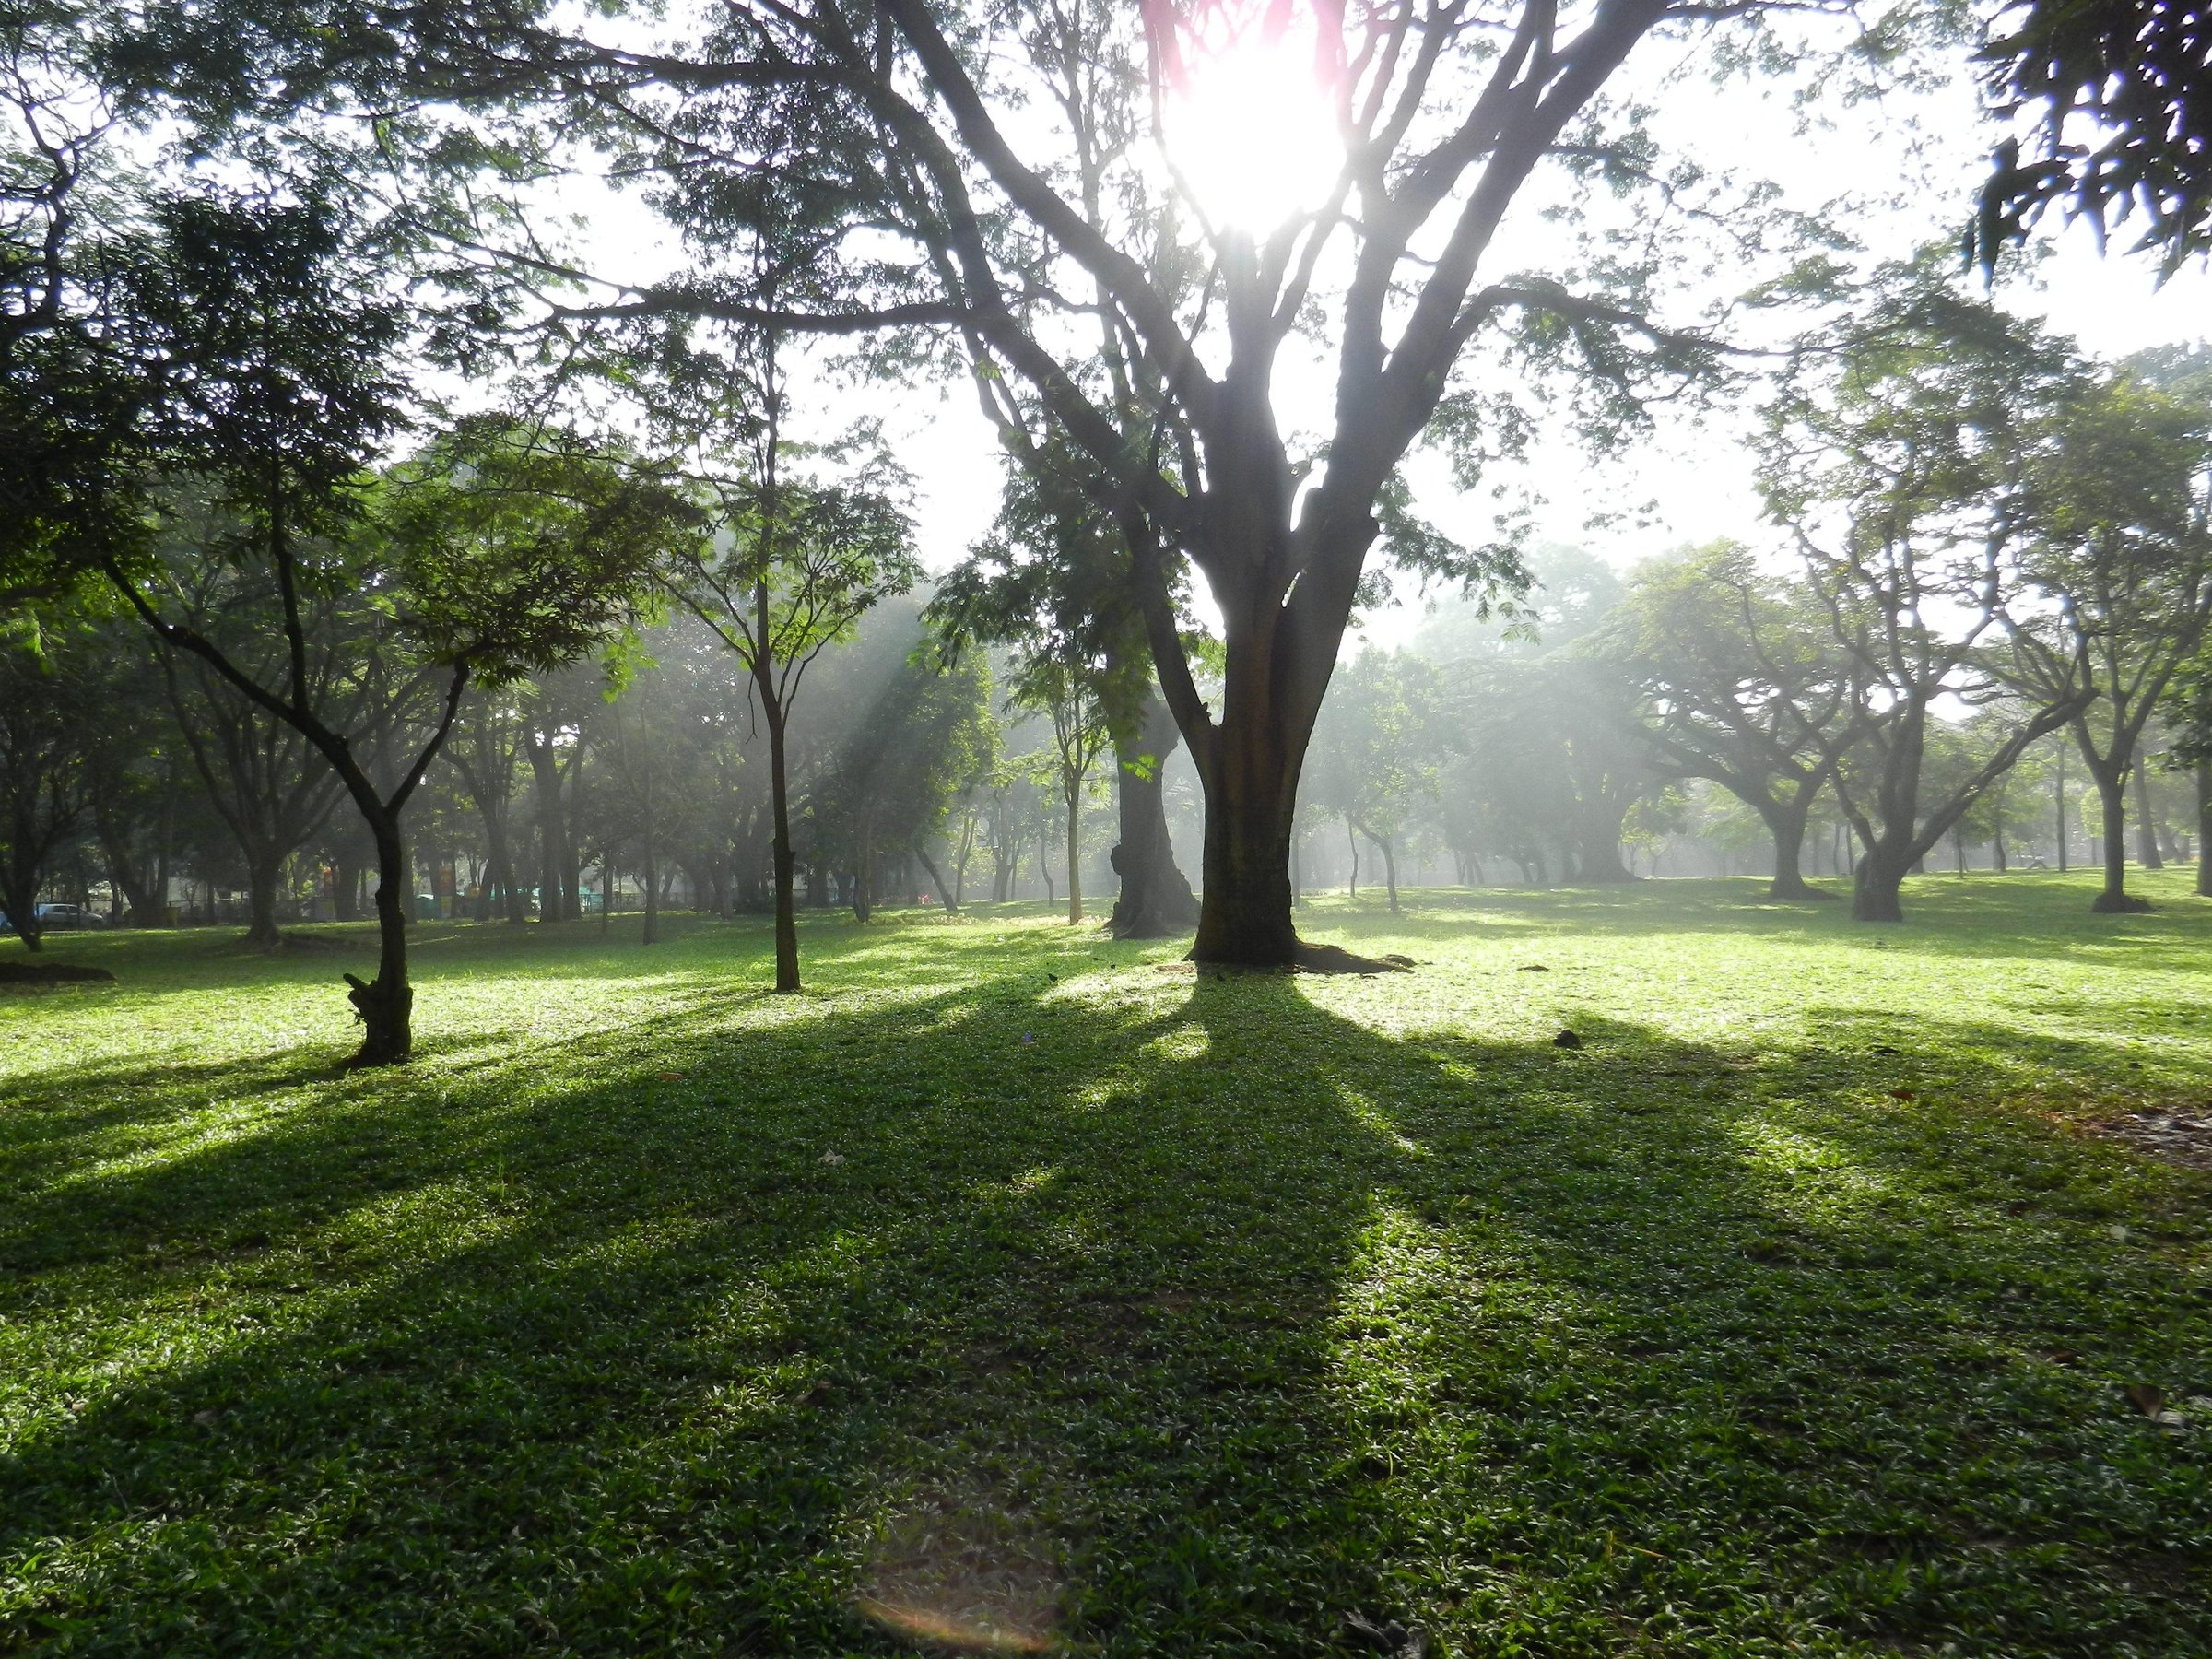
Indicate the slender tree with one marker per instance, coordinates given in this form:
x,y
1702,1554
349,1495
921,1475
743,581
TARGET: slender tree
x,y
793,568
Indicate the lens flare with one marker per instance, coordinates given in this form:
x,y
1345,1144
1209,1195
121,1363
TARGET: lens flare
x,y
1250,129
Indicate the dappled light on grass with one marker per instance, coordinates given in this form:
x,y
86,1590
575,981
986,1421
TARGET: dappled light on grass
x,y
673,1317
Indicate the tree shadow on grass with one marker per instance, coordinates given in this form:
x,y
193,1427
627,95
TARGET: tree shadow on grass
x,y
1134,1314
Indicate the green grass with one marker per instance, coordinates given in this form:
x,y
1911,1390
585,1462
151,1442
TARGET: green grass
x,y
1006,1287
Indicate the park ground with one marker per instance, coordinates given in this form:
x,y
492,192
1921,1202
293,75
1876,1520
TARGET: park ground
x,y
1016,1291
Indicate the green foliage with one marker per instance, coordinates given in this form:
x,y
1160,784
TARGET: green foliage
x,y
517,548
1008,1278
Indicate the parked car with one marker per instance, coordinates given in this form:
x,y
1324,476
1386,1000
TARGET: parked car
x,y
60,918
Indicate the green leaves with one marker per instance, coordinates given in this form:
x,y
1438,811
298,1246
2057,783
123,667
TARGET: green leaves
x,y
520,548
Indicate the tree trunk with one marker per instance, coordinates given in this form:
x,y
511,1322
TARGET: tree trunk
x,y
1074,792
2146,828
1785,822
784,861
2115,899
1156,900
1598,846
2060,792
262,872
945,894
1352,839
20,900
1249,770
2203,829
864,873
1997,850
506,896
385,1005
1874,887
1389,871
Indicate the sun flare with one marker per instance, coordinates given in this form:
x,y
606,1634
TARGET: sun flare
x,y
1250,132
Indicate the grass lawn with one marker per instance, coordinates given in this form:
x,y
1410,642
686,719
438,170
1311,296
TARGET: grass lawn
x,y
1009,1291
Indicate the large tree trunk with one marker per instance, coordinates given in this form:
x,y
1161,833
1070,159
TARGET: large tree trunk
x,y
19,897
2111,795
1250,770
129,878
506,897
1156,900
1597,843
1874,888
262,872
386,1005
2147,829
864,872
1785,822
1390,870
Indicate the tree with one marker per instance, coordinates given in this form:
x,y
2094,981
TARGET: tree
x,y
792,568
1896,460
1550,764
501,551
1737,683
2120,549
